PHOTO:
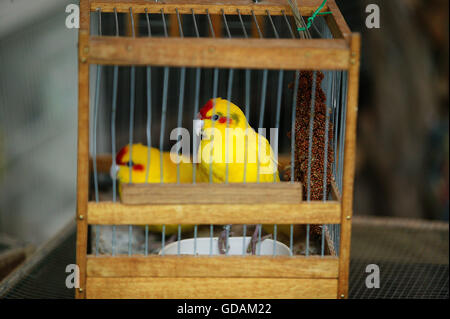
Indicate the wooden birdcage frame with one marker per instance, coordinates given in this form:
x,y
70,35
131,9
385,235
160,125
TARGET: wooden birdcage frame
x,y
200,277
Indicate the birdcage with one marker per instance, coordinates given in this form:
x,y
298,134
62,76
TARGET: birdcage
x,y
146,67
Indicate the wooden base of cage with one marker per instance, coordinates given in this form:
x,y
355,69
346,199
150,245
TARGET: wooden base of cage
x,y
210,288
202,277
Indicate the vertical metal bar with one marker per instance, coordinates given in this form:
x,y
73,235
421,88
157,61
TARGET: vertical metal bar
x,y
211,28
242,23
179,240
132,100
113,133
275,240
211,233
146,240
291,240
339,93
278,115
244,235
261,119
132,97
149,106
273,25
293,120
330,95
149,123
164,108
94,137
336,108
303,34
229,91
163,239
333,121
247,105
342,133
247,115
215,84
258,251
196,102
325,160
340,118
277,124
197,95
317,30
257,25
277,119
226,24
261,123
130,240
163,124
279,95
181,95
180,117
195,239
311,129
293,138
288,24
336,128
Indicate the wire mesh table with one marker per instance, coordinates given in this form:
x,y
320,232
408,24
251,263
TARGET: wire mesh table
x,y
412,255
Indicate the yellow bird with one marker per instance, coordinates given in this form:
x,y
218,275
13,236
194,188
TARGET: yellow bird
x,y
139,171
228,138
247,152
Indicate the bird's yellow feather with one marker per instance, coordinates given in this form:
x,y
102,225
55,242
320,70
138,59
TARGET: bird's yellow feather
x,y
139,171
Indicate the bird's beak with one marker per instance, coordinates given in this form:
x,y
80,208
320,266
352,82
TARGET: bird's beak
x,y
113,171
198,125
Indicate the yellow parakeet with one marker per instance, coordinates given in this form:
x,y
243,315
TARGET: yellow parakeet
x,y
139,161
227,137
234,142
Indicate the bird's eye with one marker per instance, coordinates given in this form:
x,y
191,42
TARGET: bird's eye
x,y
215,117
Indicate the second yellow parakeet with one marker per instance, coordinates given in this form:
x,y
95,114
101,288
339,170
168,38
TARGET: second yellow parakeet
x,y
139,170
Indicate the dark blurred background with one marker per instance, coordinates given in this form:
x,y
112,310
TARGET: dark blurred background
x,y
402,162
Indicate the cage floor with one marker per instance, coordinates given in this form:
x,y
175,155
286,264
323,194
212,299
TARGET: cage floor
x,y
412,256
104,234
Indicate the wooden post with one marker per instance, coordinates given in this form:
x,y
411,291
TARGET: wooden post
x,y
217,24
173,25
83,145
349,165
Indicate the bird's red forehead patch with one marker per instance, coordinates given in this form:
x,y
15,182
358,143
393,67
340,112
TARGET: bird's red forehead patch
x,y
120,155
138,167
205,109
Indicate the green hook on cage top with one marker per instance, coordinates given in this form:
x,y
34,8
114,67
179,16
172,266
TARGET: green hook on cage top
x,y
311,18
